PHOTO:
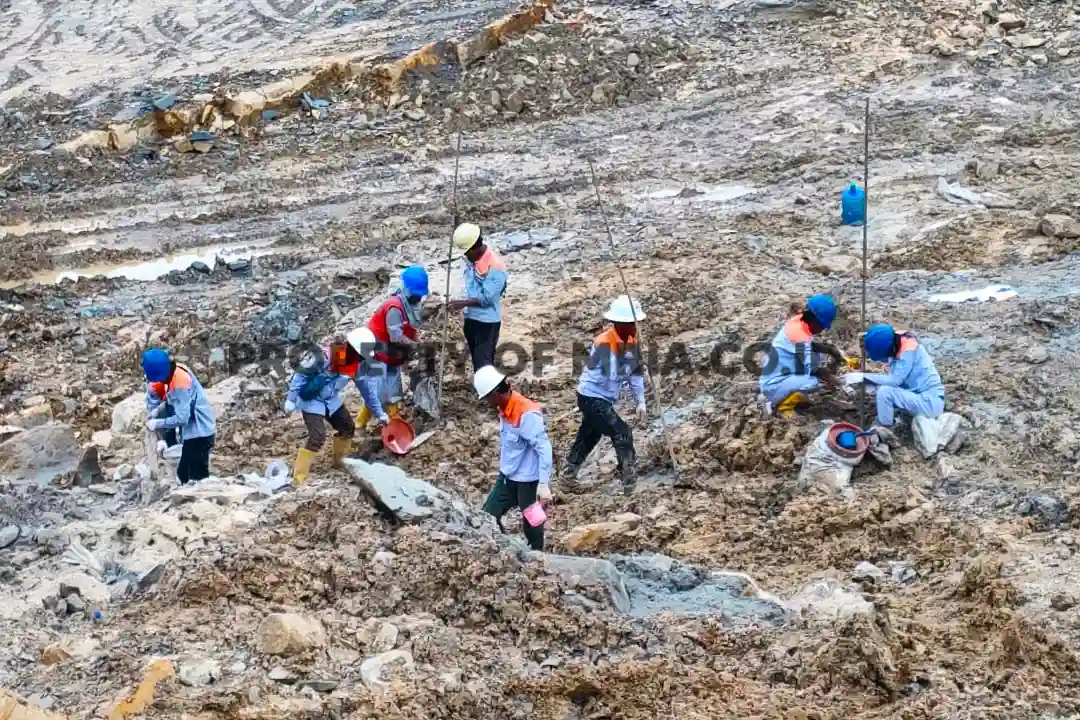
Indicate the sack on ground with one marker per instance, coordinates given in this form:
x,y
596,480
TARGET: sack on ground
x,y
933,434
825,469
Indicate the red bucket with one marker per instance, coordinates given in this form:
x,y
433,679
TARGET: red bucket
x,y
398,436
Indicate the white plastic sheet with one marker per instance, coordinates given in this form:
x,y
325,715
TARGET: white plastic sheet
x,y
992,292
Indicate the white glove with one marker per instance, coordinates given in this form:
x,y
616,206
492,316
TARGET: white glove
x,y
543,493
154,424
853,378
290,407
642,413
383,419
156,411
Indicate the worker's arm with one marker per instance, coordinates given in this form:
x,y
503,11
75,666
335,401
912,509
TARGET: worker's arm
x,y
180,399
295,385
395,325
636,381
491,288
534,433
897,374
828,349
153,402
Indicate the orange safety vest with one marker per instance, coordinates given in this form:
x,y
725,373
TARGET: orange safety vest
x,y
517,407
377,325
181,379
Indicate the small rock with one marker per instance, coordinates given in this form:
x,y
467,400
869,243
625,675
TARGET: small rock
x,y
588,537
102,438
54,654
123,472
89,470
8,536
1037,355
323,686
44,143
199,673
287,633
75,604
1059,226
416,115
1010,21
496,99
599,95
1063,601
1063,52
67,591
1039,58
632,60
515,103
868,571
386,639
376,672
282,675
106,489
969,32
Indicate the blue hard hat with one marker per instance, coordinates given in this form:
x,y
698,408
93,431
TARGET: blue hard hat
x,y
879,342
824,309
155,364
415,280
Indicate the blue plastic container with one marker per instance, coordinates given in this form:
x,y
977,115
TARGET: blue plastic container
x,y
848,440
853,205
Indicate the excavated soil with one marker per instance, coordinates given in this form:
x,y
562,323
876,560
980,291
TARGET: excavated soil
x,y
722,135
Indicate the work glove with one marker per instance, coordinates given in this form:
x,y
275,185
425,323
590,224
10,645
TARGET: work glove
x,y
290,407
543,493
852,363
156,411
641,414
154,424
853,378
383,419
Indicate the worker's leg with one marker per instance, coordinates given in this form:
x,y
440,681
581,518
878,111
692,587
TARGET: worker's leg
x,y
344,429
622,437
195,459
499,500
588,435
526,496
890,399
483,339
392,392
790,392
363,416
316,431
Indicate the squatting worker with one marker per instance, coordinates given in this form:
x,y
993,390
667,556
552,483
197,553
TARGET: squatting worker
x,y
315,390
795,364
613,364
912,384
525,458
396,326
485,285
379,385
176,388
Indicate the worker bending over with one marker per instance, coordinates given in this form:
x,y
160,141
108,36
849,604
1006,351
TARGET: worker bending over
x,y
379,385
485,285
315,390
912,383
172,388
795,365
396,327
613,364
525,458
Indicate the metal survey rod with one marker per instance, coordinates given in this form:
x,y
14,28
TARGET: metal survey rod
x,y
865,225
449,265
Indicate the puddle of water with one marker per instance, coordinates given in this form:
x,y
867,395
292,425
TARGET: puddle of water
x,y
992,292
149,270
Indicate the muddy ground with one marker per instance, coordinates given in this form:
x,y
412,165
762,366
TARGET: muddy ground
x,y
722,136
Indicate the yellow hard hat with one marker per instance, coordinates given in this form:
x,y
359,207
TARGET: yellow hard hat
x,y
466,236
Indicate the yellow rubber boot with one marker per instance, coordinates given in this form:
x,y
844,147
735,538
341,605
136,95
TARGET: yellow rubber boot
x,y
786,409
393,410
342,445
363,417
302,466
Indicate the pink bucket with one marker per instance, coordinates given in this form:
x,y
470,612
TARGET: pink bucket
x,y
535,515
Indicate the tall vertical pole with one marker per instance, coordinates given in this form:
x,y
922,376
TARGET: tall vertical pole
x,y
449,266
865,230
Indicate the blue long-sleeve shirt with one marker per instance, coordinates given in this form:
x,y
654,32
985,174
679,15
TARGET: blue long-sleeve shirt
x,y
485,281
912,369
378,383
608,372
524,447
329,398
192,417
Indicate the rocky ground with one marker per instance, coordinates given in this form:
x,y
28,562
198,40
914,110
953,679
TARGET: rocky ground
x,y
722,135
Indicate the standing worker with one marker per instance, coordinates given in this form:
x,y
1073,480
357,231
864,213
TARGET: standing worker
x,y
912,383
315,389
190,416
613,364
795,364
396,327
485,285
524,453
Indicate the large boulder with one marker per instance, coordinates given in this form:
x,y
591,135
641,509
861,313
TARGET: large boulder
x,y
289,634
406,498
129,415
585,572
587,538
40,453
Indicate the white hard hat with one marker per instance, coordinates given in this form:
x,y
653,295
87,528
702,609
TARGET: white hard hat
x,y
362,341
487,379
620,310
466,236
308,360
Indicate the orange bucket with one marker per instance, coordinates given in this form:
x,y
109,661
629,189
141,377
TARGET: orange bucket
x,y
398,436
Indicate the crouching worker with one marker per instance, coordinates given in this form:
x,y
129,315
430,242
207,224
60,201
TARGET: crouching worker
x,y
795,366
912,383
190,417
524,453
613,364
378,383
315,390
396,327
